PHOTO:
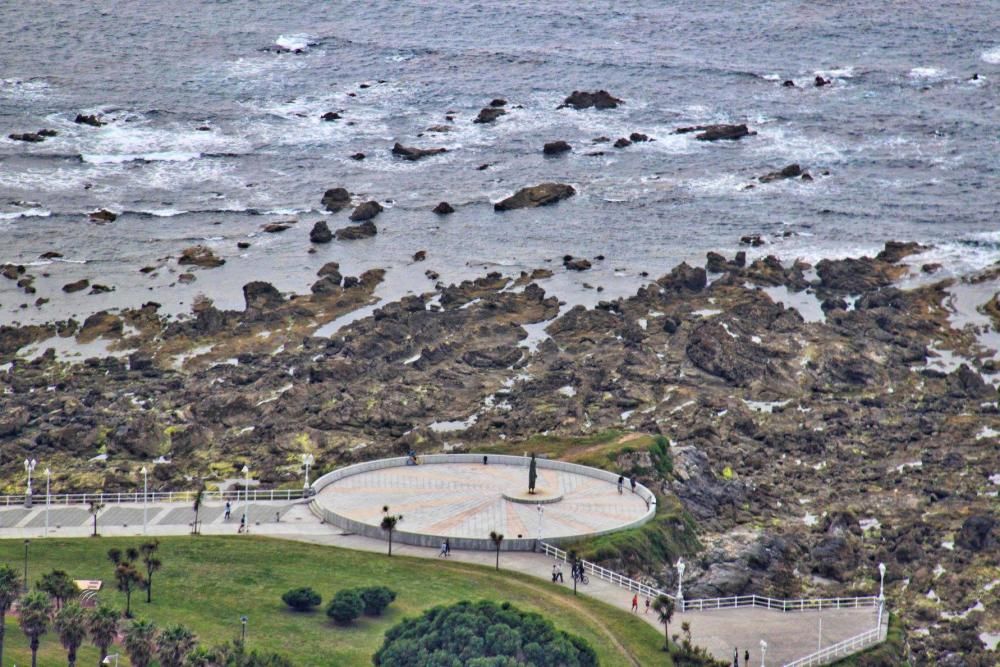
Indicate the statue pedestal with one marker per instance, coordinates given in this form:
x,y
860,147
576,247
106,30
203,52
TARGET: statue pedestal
x,y
539,497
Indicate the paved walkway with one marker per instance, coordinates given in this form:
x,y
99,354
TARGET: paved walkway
x,y
468,500
788,635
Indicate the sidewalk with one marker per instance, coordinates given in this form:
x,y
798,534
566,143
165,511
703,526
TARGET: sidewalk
x,y
789,635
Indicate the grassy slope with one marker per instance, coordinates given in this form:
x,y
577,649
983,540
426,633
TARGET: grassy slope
x,y
208,582
890,652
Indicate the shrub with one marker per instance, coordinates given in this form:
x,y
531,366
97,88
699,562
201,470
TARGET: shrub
x,y
376,599
302,599
345,606
482,633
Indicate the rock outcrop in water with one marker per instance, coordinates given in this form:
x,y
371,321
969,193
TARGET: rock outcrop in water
x,y
601,99
336,199
365,230
717,132
366,211
538,195
556,148
409,153
489,114
200,255
320,233
443,208
89,119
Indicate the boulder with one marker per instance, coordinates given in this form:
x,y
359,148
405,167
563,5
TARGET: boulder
x,y
330,116
419,255
791,171
622,142
326,285
601,99
365,211
335,199
76,286
358,156
443,208
199,255
556,148
498,102
51,254
488,115
727,132
819,81
576,263
30,137
440,129
13,420
897,250
834,557
89,119
365,230
320,233
103,215
102,324
752,240
242,245
788,83
276,227
977,533
261,296
637,137
47,133
538,195
329,269
413,154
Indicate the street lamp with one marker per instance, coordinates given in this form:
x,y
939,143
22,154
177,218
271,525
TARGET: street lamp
x,y
48,499
26,543
246,504
29,467
307,460
107,660
243,634
763,651
680,584
145,498
881,596
541,513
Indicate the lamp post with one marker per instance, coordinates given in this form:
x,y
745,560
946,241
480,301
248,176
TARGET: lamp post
x,y
541,513
246,505
243,633
763,651
29,467
107,660
680,582
145,499
307,460
48,499
26,543
881,595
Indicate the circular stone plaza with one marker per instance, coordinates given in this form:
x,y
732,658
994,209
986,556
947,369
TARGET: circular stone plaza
x,y
461,498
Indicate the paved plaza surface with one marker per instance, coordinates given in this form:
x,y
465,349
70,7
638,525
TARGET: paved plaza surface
x,y
789,635
467,500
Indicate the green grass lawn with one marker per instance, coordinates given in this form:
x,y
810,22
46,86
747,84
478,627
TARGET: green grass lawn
x,y
207,583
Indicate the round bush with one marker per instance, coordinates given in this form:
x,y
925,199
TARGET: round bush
x,y
376,599
302,599
482,634
345,606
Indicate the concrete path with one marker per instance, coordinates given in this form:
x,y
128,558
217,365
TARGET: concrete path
x,y
788,635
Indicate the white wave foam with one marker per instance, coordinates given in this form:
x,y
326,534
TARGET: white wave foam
x,y
29,213
164,212
837,73
926,72
991,56
295,42
158,156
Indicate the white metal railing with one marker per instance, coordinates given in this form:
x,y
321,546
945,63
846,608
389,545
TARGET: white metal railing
x,y
710,604
156,497
845,647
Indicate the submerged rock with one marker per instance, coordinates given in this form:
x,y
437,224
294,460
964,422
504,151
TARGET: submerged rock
x,y
489,114
365,230
538,195
556,147
415,153
89,119
103,215
336,199
791,171
601,99
443,208
76,286
200,255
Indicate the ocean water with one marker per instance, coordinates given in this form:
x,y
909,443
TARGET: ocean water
x,y
903,144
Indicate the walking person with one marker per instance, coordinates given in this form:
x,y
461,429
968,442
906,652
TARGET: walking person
x,y
621,483
736,657
746,658
559,574
632,482
243,524
444,550
647,605
229,508
635,603
447,548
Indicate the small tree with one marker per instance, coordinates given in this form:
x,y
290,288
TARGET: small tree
x,y
95,509
664,608
345,606
376,599
389,522
34,611
59,586
152,563
71,625
127,577
174,646
302,599
102,623
10,588
497,539
140,642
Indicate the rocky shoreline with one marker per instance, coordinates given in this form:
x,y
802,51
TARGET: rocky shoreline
x,y
807,449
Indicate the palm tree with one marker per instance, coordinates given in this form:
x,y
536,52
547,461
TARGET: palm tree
x,y
389,522
102,623
10,588
199,657
664,608
497,541
140,642
176,642
95,508
71,624
58,585
33,616
153,564
127,577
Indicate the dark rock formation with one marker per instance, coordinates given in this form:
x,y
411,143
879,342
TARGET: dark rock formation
x,y
200,255
556,148
601,99
103,215
336,199
76,286
791,171
538,195
489,114
89,119
415,153
365,230
366,211
320,233
443,208
576,263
